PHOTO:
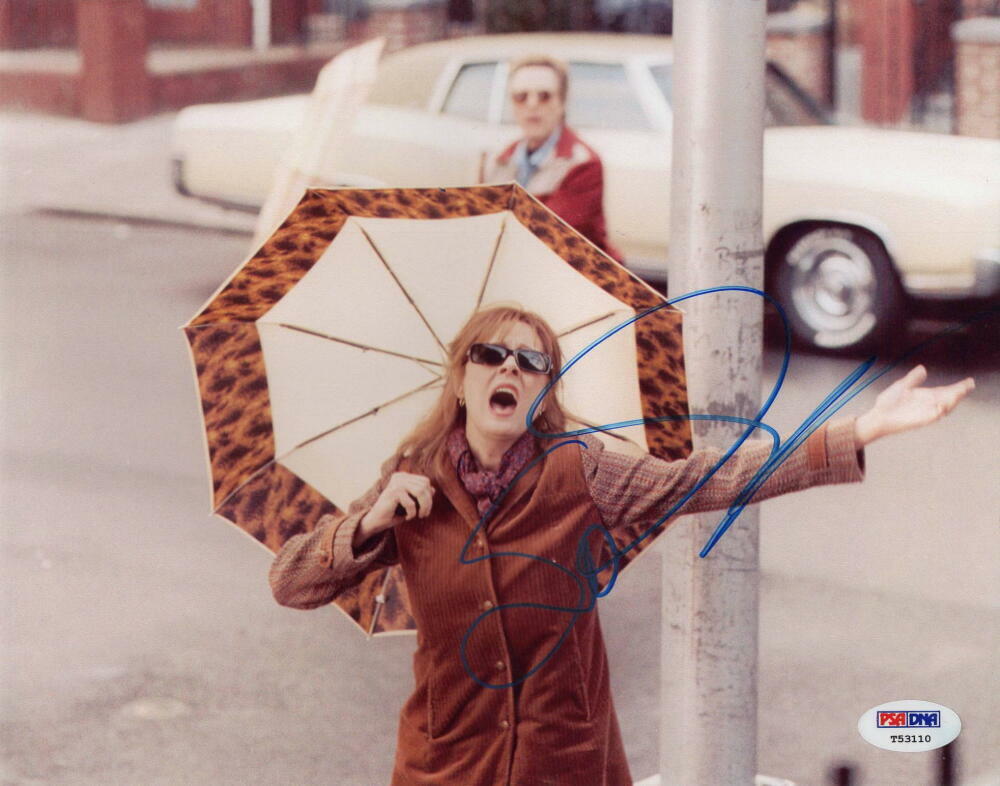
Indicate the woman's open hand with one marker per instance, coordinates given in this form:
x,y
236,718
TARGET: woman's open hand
x,y
905,405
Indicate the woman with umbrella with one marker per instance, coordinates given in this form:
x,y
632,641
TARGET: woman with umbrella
x,y
486,520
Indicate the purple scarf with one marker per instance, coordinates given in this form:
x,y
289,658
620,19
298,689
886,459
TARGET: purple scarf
x,y
486,487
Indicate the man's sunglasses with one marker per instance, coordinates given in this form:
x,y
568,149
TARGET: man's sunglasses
x,y
527,359
544,96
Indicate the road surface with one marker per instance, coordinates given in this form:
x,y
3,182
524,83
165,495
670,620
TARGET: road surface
x,y
141,644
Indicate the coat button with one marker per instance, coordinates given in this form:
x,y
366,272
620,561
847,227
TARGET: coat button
x,y
480,542
487,605
500,665
505,724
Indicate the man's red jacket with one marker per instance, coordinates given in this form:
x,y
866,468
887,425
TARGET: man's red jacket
x,y
570,182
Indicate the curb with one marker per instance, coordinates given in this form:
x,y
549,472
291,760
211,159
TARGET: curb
x,y
139,220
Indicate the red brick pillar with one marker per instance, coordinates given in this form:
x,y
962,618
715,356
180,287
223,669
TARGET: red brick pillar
x,y
887,38
111,36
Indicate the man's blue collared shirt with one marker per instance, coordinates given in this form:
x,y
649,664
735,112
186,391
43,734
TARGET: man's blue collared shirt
x,y
528,163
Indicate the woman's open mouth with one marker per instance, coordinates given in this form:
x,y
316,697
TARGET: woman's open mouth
x,y
503,401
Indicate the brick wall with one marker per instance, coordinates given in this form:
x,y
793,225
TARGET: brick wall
x,y
977,76
52,92
210,22
233,22
404,27
189,26
37,23
288,19
171,91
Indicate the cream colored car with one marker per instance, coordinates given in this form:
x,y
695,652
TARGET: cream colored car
x,y
858,222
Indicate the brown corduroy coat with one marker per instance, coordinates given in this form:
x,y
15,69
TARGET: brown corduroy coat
x,y
558,725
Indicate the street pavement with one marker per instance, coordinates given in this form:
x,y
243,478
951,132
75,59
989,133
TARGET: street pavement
x,y
89,169
140,641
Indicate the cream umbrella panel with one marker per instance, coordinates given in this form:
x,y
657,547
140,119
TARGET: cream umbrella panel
x,y
355,353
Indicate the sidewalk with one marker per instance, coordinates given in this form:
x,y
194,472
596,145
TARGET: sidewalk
x,y
54,164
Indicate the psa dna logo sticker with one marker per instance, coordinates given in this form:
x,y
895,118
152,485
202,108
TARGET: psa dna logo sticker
x,y
909,725
903,719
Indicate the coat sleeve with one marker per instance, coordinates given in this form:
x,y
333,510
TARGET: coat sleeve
x,y
629,491
313,568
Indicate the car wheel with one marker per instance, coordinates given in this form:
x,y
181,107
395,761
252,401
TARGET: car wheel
x,y
838,288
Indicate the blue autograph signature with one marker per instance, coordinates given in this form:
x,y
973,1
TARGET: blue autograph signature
x,y
586,574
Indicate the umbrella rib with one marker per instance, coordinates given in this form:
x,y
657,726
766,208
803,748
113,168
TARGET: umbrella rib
x,y
609,432
489,267
358,345
402,289
276,459
373,411
433,370
586,324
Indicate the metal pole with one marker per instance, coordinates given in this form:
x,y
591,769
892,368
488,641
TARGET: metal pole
x,y
708,718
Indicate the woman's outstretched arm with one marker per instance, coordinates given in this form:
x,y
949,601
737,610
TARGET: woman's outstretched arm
x,y
632,492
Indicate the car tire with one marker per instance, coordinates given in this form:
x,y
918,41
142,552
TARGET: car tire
x,y
838,288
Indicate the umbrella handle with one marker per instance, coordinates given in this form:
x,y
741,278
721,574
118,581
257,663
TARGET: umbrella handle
x,y
400,510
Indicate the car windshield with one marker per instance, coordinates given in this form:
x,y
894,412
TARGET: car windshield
x,y
786,103
469,96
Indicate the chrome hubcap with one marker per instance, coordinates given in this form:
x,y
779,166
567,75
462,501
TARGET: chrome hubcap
x,y
833,288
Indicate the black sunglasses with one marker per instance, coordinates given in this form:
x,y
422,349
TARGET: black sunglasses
x,y
521,96
527,359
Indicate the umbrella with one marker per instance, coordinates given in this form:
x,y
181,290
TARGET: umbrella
x,y
323,349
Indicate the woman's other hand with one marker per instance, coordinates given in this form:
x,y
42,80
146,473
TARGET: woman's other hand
x,y
905,405
413,493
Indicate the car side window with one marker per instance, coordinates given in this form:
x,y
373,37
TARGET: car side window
x,y
785,103
661,75
600,96
470,93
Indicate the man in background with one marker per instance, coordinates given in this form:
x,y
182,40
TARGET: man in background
x,y
550,161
